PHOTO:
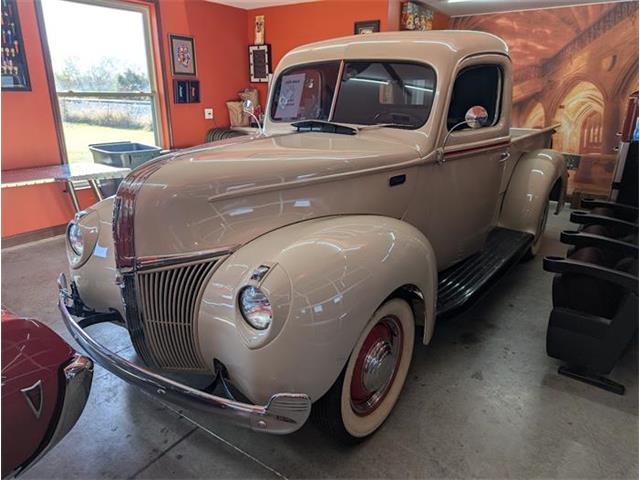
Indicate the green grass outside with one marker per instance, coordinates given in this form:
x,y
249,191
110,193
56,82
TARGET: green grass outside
x,y
78,136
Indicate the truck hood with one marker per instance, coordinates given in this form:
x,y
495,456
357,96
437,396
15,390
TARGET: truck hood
x,y
226,194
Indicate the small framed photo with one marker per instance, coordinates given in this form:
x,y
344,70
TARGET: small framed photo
x,y
259,63
194,91
366,26
181,91
183,55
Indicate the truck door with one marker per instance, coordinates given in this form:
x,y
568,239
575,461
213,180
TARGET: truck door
x,y
473,159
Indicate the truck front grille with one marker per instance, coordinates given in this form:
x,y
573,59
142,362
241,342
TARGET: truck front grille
x,y
162,320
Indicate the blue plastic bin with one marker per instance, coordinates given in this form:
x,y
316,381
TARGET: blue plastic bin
x,y
121,154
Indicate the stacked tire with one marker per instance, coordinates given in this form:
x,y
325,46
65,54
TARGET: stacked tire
x,y
217,134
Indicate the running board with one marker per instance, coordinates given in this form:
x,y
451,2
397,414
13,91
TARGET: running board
x,y
460,285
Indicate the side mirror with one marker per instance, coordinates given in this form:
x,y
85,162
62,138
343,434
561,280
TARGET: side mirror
x,y
249,109
476,117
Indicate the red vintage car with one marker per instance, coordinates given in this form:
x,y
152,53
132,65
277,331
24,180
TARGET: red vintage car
x,y
45,385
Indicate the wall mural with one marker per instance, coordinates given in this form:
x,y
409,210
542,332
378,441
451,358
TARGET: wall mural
x,y
575,66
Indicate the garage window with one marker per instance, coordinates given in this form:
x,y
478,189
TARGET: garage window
x,y
104,74
477,85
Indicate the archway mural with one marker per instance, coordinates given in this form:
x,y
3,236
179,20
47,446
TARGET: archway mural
x,y
580,115
536,117
575,66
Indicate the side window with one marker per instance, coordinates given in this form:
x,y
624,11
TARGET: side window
x,y
477,85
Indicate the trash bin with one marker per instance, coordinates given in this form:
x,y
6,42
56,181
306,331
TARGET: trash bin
x,y
121,154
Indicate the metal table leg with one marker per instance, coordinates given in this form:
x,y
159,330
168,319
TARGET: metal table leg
x,y
74,196
96,189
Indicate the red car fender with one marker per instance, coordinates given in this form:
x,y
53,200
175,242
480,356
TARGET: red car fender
x,y
32,358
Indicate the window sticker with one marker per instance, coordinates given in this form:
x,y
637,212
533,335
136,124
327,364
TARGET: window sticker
x,y
290,95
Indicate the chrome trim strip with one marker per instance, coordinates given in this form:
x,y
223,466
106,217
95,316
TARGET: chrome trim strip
x,y
124,206
283,413
161,261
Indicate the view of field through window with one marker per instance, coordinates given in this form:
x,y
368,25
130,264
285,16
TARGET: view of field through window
x,y
103,82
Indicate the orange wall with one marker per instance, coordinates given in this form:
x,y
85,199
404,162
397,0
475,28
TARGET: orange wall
x,y
29,140
289,26
221,61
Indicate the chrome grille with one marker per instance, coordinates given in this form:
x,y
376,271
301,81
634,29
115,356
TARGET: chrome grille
x,y
164,330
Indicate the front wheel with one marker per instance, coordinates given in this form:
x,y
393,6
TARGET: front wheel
x,y
364,394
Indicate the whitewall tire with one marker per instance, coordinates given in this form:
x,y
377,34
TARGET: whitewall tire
x,y
364,394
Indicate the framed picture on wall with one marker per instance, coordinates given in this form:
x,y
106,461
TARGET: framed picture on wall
x,y
416,16
181,91
259,63
366,26
183,55
15,75
194,91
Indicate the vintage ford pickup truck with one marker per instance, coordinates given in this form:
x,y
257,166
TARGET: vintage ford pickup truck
x,y
294,266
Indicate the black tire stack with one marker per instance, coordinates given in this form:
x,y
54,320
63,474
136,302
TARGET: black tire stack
x,y
217,134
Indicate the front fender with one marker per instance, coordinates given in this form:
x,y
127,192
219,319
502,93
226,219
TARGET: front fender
x,y
96,278
327,277
532,181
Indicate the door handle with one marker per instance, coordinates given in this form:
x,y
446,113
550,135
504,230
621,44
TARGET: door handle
x,y
504,156
397,180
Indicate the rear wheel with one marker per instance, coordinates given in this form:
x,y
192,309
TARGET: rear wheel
x,y
365,392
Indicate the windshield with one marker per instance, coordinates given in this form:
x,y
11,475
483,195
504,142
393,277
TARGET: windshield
x,y
370,93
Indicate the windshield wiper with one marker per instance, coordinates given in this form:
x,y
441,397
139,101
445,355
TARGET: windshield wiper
x,y
324,126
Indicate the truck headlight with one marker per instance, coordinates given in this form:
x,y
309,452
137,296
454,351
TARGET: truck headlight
x,y
82,236
76,238
255,307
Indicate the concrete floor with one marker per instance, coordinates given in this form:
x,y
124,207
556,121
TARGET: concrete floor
x,y
483,400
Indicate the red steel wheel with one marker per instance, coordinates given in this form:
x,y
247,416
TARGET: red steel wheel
x,y
364,394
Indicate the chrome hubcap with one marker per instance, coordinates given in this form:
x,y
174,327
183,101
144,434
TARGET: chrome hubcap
x,y
376,365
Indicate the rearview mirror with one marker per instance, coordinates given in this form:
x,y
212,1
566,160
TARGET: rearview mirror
x,y
476,117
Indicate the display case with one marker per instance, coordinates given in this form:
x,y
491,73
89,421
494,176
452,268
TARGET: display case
x,y
15,74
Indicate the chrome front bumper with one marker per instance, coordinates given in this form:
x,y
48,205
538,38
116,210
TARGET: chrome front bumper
x,y
284,412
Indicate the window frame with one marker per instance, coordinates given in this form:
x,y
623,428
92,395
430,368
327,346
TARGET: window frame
x,y
500,93
339,83
154,89
272,91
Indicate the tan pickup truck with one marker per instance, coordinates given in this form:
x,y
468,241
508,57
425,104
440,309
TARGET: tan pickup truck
x,y
294,267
